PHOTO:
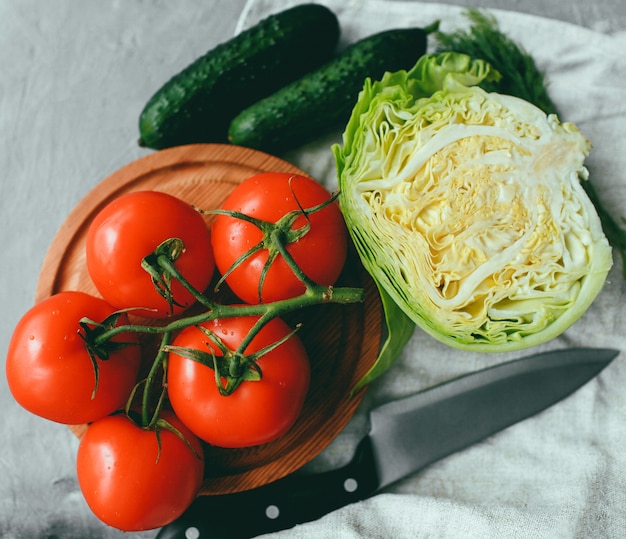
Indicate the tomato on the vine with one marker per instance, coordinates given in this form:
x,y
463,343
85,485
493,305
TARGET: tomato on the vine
x,y
320,253
50,371
256,412
133,479
130,228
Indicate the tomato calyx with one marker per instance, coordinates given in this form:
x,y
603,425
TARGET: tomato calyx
x,y
276,237
158,265
231,367
91,332
162,424
157,425
150,418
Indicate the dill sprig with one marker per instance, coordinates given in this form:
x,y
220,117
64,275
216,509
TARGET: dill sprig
x,y
521,78
520,75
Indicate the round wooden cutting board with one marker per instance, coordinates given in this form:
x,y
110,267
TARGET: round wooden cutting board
x,y
343,341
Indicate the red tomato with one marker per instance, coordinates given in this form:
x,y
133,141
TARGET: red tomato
x,y
320,254
257,411
130,228
49,370
132,484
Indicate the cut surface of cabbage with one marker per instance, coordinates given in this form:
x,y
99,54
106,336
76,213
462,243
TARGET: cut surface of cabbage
x,y
467,208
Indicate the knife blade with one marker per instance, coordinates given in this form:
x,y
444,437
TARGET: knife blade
x,y
405,436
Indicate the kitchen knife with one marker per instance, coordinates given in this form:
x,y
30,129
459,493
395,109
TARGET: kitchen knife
x,y
405,436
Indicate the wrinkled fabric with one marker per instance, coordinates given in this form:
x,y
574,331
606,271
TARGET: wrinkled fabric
x,y
562,473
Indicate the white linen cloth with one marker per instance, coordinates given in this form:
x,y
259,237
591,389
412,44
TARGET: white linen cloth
x,y
561,474
73,79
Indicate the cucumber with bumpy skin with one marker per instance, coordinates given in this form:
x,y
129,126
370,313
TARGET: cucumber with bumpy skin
x,y
323,99
197,104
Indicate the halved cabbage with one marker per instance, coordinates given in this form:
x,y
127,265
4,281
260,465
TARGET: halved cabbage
x,y
467,208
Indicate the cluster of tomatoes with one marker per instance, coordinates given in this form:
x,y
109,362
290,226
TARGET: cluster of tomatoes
x,y
230,375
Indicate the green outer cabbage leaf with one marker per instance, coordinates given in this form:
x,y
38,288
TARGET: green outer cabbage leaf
x,y
400,329
467,208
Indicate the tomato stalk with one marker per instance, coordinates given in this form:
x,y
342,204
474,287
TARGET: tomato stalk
x,y
145,419
151,418
315,295
158,363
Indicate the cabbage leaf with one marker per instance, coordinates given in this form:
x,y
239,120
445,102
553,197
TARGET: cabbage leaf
x,y
466,207
521,77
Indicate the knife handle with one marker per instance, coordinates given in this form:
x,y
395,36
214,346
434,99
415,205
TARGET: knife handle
x,y
292,500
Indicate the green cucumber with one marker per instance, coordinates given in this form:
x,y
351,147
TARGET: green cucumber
x,y
197,104
322,100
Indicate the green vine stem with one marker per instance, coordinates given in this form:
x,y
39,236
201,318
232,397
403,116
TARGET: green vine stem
x,y
312,296
156,365
161,267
